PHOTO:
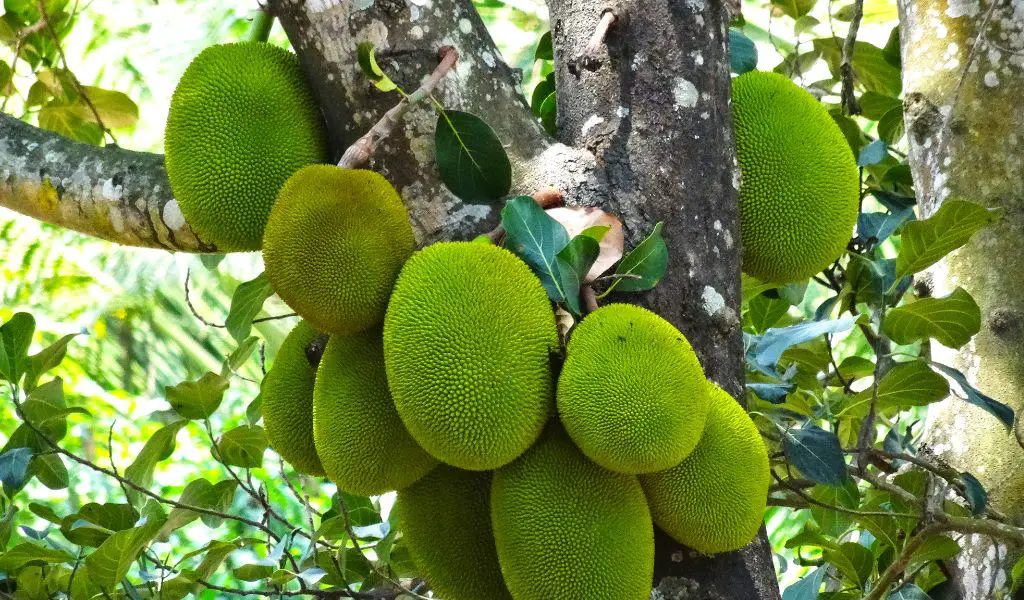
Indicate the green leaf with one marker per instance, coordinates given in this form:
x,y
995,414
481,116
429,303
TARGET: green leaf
x,y
645,265
66,119
875,106
549,114
906,384
367,55
545,49
807,588
27,553
243,446
94,523
541,92
816,453
1017,575
254,572
237,358
46,359
834,523
872,154
794,8
575,262
764,312
934,548
201,494
976,494
50,470
764,351
470,158
872,11
742,53
975,396
952,321
925,242
537,238
909,591
871,70
157,448
253,412
116,109
197,399
111,561
891,127
15,339
246,303
854,561
14,469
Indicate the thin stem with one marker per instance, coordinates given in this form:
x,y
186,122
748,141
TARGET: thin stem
x,y
590,59
360,152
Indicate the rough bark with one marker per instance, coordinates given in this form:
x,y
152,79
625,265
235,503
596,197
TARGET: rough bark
x,y
963,74
654,109
647,136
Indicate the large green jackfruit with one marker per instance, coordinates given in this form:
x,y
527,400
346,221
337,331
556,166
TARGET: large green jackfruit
x,y
632,394
334,244
567,528
446,521
362,443
714,500
800,187
287,405
242,120
467,342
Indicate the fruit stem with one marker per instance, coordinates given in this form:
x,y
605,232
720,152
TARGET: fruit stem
x,y
259,29
359,153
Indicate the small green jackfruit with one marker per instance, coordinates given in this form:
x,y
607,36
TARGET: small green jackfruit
x,y
446,522
632,394
567,528
467,342
334,244
287,405
800,187
242,120
714,500
362,443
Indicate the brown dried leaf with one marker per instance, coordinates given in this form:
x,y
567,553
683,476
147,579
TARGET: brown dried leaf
x,y
564,321
576,219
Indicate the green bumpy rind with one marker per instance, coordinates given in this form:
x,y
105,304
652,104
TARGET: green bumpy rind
x,y
714,500
446,521
467,342
334,245
632,394
800,189
567,528
242,120
287,405
362,442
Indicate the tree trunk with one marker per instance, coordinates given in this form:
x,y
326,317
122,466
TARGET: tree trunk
x,y
646,135
963,76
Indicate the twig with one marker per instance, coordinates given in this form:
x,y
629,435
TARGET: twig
x,y
195,313
590,59
900,564
846,67
360,152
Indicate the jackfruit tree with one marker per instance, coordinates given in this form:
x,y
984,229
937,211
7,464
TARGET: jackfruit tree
x,y
664,330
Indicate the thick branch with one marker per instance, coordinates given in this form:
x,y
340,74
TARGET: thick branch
x,y
111,193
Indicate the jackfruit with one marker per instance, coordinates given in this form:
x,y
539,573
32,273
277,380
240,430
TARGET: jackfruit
x,y
242,120
467,342
362,443
287,405
446,522
800,187
334,244
632,394
567,528
714,500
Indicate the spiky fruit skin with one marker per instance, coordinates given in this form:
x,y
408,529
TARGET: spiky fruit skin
x,y
567,528
632,394
362,443
446,521
242,120
714,500
287,405
800,188
334,244
467,342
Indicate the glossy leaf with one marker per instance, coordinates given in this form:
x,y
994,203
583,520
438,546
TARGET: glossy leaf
x,y
807,588
548,113
471,159
977,496
771,392
909,591
816,453
545,49
878,226
952,321
541,92
14,468
975,396
27,553
872,154
925,242
366,54
537,238
906,384
765,350
246,303
644,266
15,339
742,53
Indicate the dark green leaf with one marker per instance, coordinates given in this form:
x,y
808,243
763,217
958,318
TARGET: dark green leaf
x,y
111,561
742,53
644,266
545,49
871,70
765,311
878,226
807,588
201,494
771,392
926,242
541,92
246,303
254,572
831,522
975,396
14,469
197,399
976,494
938,547
575,261
891,127
50,470
471,159
15,339
816,453
875,106
872,154
549,114
909,591
211,261
892,48
537,238
854,561
366,55
952,321
243,446
253,412
1017,575
237,358
157,448
46,359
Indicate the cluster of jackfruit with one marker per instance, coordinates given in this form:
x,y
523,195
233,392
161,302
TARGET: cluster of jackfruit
x,y
800,186
515,479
